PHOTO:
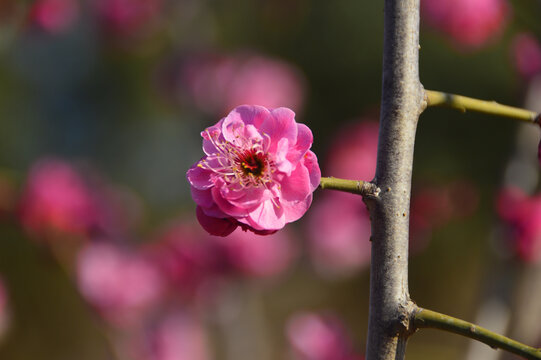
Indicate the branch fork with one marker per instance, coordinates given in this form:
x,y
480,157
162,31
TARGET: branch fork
x,y
359,187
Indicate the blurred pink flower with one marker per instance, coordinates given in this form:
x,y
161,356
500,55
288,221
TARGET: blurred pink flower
x,y
121,284
526,54
195,263
54,16
353,153
338,230
259,256
258,172
57,199
316,337
522,214
178,336
189,259
217,84
338,226
128,17
469,24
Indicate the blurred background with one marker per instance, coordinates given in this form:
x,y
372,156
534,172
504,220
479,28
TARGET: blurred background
x,y
101,107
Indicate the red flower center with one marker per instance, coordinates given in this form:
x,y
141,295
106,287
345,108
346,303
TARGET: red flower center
x,y
252,162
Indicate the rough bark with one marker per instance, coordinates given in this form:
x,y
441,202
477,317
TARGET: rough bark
x,y
402,102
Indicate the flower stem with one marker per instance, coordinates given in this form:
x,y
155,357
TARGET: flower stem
x,y
359,187
431,319
463,103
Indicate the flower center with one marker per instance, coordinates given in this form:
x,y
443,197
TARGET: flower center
x,y
245,165
252,163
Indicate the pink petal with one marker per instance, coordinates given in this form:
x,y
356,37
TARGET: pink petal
x,y
199,178
297,186
267,217
281,124
208,145
215,226
310,161
304,142
202,197
213,211
294,210
251,198
228,207
233,130
249,114
282,163
251,132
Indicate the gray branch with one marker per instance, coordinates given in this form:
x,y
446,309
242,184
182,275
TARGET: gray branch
x,y
402,102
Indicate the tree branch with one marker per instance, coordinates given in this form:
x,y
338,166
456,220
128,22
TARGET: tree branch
x,y
463,103
402,101
359,187
431,319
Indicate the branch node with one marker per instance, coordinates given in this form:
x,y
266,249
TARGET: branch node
x,y
369,189
363,188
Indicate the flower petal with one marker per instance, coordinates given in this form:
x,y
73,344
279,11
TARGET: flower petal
x,y
267,217
202,197
304,142
215,226
294,210
310,161
297,186
210,135
281,124
198,177
230,208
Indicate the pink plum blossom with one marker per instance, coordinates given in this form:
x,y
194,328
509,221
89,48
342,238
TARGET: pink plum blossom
x,y
178,336
469,24
258,172
316,337
217,83
338,225
57,199
526,54
522,214
121,284
54,16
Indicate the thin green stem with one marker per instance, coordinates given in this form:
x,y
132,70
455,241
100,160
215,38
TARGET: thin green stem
x,y
463,103
431,319
359,187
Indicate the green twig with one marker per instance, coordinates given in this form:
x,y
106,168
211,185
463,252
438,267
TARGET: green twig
x,y
359,187
463,103
431,319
